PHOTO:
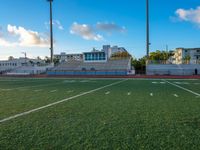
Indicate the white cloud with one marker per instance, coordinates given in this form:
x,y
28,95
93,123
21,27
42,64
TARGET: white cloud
x,y
27,38
1,33
85,31
190,15
5,43
109,27
56,23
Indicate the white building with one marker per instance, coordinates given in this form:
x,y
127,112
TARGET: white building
x,y
186,56
18,62
94,55
23,66
111,50
63,57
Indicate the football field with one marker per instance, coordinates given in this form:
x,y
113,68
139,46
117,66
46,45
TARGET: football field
x,y
61,113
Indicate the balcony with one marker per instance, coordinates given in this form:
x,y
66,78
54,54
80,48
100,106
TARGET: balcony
x,y
197,54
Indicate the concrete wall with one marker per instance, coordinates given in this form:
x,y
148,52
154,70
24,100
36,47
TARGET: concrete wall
x,y
85,73
173,69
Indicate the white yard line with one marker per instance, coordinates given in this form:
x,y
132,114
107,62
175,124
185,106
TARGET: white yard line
x,y
58,102
41,85
70,91
185,89
154,82
162,82
5,89
107,93
196,83
52,91
175,95
38,90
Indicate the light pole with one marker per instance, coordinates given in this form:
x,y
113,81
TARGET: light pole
x,y
147,28
25,56
51,30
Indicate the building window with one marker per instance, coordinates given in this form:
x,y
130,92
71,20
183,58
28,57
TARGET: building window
x,y
83,69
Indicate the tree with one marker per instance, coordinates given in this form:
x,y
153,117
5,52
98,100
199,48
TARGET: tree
x,y
139,64
38,58
187,59
47,60
10,58
121,55
56,61
160,56
31,62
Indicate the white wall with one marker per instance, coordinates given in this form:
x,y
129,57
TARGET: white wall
x,y
172,69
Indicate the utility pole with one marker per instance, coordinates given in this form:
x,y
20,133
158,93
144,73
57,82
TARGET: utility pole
x,y
51,30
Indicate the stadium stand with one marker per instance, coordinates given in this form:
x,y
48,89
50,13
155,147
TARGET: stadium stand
x,y
173,69
110,67
27,70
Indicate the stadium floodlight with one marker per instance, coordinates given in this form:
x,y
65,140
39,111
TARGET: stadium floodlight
x,y
51,30
147,28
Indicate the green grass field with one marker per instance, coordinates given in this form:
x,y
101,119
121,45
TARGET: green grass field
x,y
99,114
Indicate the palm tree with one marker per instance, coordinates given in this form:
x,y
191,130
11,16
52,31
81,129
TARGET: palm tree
x,y
187,59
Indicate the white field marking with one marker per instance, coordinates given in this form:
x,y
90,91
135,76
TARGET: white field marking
x,y
175,95
181,82
162,82
181,79
70,91
151,94
38,90
196,83
185,83
160,79
5,89
154,82
23,89
107,93
58,102
69,81
8,80
85,81
41,85
190,91
53,91
177,82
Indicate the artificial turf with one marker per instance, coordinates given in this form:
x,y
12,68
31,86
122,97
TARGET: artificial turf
x,y
134,114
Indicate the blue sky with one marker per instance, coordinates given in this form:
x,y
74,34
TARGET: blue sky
x,y
80,25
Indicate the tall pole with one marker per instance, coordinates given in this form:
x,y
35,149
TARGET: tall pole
x,y
51,30
147,28
24,56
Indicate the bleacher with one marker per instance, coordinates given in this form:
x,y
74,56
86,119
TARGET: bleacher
x,y
110,67
28,70
173,69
